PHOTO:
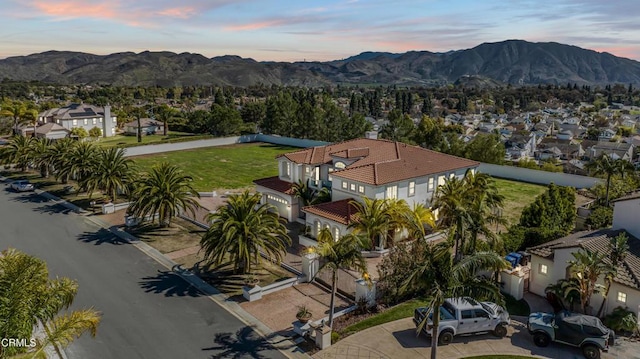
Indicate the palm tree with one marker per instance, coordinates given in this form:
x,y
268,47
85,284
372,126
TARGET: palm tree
x,y
373,220
18,152
587,266
618,248
58,157
485,203
19,112
113,172
80,164
417,219
242,229
40,148
567,290
309,196
453,211
164,192
29,297
165,113
605,165
345,253
440,277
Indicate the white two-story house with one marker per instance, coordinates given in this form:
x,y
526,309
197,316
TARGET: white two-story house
x,y
82,115
376,169
550,261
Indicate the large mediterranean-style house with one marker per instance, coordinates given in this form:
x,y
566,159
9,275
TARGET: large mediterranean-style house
x,y
82,115
550,261
377,169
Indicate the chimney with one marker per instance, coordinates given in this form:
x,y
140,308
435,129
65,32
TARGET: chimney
x,y
372,135
107,122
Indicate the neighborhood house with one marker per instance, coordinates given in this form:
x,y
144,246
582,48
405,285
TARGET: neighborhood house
x,y
80,115
550,261
377,169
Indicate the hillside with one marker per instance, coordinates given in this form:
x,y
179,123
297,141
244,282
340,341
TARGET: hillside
x,y
512,61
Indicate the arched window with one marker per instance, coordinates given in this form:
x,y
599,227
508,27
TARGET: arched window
x,y
339,165
336,233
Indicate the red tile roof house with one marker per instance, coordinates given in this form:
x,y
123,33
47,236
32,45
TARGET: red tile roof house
x,y
549,261
352,170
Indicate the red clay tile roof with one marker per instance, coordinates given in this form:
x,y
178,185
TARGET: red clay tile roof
x,y
598,241
275,184
341,211
381,161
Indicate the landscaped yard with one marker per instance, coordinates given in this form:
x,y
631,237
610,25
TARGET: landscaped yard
x,y
224,167
517,195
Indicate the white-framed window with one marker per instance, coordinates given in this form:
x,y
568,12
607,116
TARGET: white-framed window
x,y
622,297
58,122
336,233
86,121
100,119
543,269
392,192
352,187
316,175
286,169
317,228
440,180
74,122
360,189
95,120
339,165
345,185
451,175
412,188
430,184
306,170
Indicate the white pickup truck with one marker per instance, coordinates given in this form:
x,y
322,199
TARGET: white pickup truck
x,y
465,316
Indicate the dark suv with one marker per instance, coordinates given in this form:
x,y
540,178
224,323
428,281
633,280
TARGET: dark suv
x,y
578,330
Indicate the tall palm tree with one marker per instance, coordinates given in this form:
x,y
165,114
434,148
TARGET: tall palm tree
x,y
345,253
440,277
28,296
166,114
112,173
164,192
605,165
453,211
587,266
242,229
618,248
18,152
485,203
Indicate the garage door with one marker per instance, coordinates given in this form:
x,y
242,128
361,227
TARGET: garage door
x,y
280,203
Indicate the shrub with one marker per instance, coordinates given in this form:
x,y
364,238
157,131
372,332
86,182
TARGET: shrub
x,y
600,217
622,320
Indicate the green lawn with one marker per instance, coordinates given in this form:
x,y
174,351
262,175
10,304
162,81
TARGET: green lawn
x,y
402,310
517,195
130,141
224,167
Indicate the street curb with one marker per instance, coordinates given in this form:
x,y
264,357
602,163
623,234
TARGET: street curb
x,y
283,344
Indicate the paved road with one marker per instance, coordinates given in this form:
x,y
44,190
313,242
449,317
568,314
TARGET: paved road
x,y
147,311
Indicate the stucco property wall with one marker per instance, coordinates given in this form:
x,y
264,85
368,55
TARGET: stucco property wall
x,y
538,177
627,216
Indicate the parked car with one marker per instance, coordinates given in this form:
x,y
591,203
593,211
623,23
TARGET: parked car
x,y
22,186
465,316
583,331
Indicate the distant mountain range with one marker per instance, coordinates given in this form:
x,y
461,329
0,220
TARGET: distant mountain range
x,y
513,61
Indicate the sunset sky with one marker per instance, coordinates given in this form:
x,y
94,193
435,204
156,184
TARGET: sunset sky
x,y
287,30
